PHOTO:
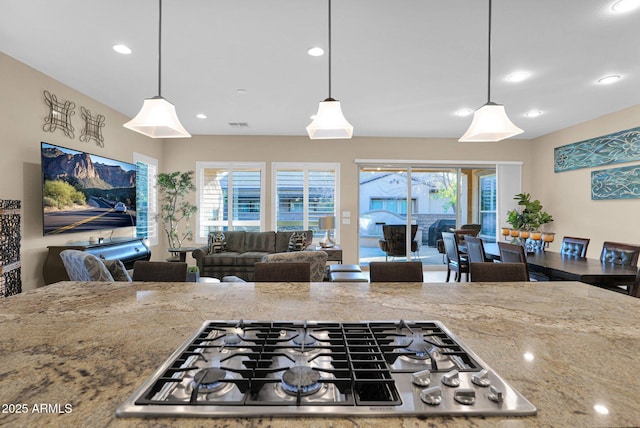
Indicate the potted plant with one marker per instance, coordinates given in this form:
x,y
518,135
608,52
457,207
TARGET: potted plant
x,y
526,222
193,274
175,210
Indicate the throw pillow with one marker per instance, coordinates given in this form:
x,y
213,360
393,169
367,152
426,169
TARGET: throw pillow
x,y
217,242
117,270
298,241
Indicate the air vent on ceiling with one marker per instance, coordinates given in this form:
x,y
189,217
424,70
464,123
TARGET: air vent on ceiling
x,y
238,124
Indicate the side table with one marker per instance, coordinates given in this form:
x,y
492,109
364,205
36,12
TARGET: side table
x,y
182,253
334,254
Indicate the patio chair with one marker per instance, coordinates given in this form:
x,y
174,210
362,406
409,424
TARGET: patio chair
x,y
393,241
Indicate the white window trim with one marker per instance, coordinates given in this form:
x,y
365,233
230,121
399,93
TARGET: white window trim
x,y
202,165
306,166
152,188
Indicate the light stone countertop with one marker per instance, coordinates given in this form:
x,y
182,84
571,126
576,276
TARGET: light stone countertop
x,y
81,349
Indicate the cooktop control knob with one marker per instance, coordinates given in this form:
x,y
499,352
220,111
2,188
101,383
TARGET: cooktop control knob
x,y
495,394
432,396
481,378
466,396
451,378
421,378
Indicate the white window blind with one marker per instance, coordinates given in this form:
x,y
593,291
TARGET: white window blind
x,y
146,198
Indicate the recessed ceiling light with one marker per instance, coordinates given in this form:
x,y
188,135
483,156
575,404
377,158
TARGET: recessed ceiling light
x,y
201,116
518,76
122,49
533,113
607,80
315,51
464,112
625,5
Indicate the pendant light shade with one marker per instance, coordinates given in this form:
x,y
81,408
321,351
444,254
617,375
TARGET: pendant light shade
x,y
329,122
158,118
490,122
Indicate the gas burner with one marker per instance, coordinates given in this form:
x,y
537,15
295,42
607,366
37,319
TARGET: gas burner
x,y
233,336
416,347
209,380
301,380
303,338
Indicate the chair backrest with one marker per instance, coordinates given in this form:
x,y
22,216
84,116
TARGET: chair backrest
x,y
82,266
396,235
395,272
317,261
635,288
159,271
451,246
475,250
282,272
512,253
619,253
498,272
574,246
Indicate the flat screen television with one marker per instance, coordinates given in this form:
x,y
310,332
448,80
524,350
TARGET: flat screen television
x,y
82,192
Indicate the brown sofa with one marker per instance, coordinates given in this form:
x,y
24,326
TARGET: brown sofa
x,y
242,251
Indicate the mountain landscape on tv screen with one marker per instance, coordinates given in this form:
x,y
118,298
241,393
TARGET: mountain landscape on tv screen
x,y
85,192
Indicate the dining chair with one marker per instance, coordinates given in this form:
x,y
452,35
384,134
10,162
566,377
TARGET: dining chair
x,y
395,272
455,262
512,253
282,272
619,253
159,271
475,250
574,246
498,272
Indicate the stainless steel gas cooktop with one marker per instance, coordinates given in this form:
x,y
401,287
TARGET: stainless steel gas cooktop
x,y
324,368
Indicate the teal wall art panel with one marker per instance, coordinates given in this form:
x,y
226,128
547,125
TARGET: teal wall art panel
x,y
616,183
623,146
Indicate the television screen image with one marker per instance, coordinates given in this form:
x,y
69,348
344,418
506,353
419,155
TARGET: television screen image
x,y
83,192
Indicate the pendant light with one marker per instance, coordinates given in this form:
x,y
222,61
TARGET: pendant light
x,y
490,122
329,122
157,118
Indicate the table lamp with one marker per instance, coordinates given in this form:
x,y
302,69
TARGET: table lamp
x,y
327,223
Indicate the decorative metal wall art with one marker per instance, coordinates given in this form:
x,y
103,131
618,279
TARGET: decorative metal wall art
x,y
623,146
59,115
92,127
616,183
10,280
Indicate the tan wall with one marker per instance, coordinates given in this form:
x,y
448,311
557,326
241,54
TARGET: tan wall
x,y
567,195
22,113
182,155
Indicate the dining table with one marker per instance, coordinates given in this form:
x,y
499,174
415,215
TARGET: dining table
x,y
553,266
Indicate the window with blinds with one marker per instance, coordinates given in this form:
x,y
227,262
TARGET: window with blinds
x,y
146,198
303,194
230,197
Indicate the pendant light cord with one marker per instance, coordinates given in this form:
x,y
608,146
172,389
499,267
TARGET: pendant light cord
x,y
489,59
159,47
329,48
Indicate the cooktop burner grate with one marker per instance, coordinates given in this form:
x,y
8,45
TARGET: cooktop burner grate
x,y
289,368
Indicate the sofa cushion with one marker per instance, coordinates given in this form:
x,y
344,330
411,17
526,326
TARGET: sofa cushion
x,y
282,240
228,258
260,241
235,240
250,258
297,241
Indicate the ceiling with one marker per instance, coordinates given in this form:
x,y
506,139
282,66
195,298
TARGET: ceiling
x,y
399,68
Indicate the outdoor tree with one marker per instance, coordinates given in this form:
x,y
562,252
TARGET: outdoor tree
x,y
174,208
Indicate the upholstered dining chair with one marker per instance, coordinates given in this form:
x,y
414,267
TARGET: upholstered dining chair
x,y
620,254
455,262
317,261
82,266
498,272
282,272
475,250
159,271
395,272
574,246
